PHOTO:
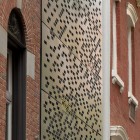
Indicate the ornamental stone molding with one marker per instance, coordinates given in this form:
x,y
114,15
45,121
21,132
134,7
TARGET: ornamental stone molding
x,y
116,79
131,98
118,133
131,12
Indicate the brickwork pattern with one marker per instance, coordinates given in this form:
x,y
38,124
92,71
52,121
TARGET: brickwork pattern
x,y
119,102
31,20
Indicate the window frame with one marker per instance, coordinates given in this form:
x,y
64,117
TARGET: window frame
x,y
132,19
9,96
115,76
18,49
19,88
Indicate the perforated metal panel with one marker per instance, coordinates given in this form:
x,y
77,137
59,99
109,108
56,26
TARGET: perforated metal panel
x,y
71,106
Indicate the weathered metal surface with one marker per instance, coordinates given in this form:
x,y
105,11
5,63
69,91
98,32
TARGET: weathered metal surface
x,y
61,125
71,70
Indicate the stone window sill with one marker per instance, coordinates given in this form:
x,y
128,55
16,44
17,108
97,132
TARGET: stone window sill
x,y
133,99
117,80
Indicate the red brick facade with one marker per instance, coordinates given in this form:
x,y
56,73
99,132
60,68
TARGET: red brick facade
x,y
119,102
30,10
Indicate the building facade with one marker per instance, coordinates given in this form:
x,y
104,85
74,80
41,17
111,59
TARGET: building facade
x,y
51,70
125,67
19,69
70,39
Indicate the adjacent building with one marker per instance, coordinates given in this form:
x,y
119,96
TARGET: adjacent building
x,y
125,68
19,69
51,70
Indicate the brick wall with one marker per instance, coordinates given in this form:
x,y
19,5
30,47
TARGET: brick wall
x,y
2,96
119,102
31,15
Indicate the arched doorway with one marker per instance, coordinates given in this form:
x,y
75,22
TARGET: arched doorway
x,y
16,78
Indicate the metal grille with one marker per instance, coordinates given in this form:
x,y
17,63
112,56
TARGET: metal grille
x,y
71,70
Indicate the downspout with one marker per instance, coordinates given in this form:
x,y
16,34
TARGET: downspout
x,y
106,68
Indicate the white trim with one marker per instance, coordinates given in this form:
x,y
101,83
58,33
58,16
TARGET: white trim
x,y
19,4
131,12
31,65
129,60
132,19
132,99
9,95
114,38
118,131
10,81
3,42
115,77
9,121
106,68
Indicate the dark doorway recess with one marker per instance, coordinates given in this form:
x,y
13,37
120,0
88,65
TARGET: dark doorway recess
x,y
16,44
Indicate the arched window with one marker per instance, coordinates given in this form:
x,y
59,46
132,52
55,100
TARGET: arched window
x,y
115,76
118,133
16,78
132,19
